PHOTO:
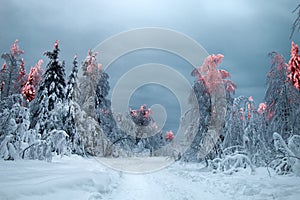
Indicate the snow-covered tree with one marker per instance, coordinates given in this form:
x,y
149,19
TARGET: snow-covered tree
x,y
75,139
88,84
235,124
34,78
216,84
282,100
254,138
197,128
15,135
47,109
9,79
103,105
294,66
287,155
21,78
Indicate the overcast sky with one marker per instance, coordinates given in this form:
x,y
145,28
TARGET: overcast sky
x,y
244,31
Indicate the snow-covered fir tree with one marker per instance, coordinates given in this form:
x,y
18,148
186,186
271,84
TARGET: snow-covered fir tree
x,y
47,109
76,143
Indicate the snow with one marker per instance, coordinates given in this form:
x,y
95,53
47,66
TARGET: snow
x,y
75,177
64,178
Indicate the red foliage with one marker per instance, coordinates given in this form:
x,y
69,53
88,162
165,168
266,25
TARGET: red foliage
x,y
169,135
294,66
14,49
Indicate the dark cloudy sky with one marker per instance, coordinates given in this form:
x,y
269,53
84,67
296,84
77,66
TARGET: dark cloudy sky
x,y
244,31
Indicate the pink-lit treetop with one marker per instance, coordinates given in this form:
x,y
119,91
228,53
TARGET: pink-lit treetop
x,y
90,65
212,76
262,107
294,66
15,50
34,77
37,72
169,135
141,117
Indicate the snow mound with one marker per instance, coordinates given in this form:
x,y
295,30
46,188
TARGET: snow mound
x,y
65,178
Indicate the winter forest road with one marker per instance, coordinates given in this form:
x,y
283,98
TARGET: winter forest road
x,y
75,177
173,182
188,182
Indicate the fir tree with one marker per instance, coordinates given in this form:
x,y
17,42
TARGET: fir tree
x,y
47,107
75,140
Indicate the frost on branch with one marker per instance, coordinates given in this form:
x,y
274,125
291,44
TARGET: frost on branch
x,y
294,66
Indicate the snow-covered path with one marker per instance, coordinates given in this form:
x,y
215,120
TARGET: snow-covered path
x,y
138,187
161,186
188,182
86,179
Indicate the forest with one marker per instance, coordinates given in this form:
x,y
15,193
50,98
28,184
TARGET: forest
x,y
45,113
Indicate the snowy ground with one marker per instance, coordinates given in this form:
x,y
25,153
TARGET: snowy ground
x,y
78,178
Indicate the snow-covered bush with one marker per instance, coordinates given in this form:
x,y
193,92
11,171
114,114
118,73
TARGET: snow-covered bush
x,y
233,159
288,156
15,135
